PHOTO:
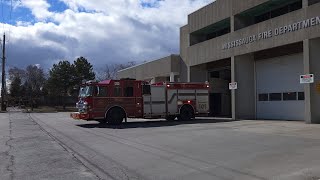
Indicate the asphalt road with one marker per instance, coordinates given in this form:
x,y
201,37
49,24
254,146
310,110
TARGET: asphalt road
x,y
53,146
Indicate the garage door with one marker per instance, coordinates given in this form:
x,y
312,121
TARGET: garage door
x,y
279,92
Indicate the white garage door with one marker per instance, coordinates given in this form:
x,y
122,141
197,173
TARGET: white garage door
x,y
279,92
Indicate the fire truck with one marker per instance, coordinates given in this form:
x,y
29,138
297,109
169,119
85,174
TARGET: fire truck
x,y
113,101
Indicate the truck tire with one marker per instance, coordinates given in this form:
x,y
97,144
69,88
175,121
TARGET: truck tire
x,y
115,116
103,121
170,118
186,113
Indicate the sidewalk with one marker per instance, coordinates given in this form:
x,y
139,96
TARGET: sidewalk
x,y
5,158
28,152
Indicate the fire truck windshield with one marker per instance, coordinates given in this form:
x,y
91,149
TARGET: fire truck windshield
x,y
86,91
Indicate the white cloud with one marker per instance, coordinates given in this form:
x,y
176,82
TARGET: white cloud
x,y
39,8
104,31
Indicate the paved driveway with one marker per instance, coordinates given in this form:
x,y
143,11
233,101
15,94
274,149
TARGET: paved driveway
x,y
201,149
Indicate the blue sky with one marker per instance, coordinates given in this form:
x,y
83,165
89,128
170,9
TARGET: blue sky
x,y
104,31
57,6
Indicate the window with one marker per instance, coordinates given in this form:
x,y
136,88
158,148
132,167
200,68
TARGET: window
x,y
117,91
262,17
313,2
263,97
300,96
212,31
275,96
101,91
279,12
86,91
290,96
296,6
146,89
215,74
266,11
129,92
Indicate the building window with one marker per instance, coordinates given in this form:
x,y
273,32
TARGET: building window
x,y
301,96
212,31
262,17
263,97
275,96
290,96
279,11
215,74
266,11
313,2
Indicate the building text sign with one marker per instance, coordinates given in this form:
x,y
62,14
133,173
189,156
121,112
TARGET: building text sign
x,y
307,79
275,32
233,85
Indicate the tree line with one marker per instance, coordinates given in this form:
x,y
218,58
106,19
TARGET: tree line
x,y
63,79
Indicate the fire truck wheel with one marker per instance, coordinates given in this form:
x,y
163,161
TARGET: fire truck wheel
x,y
104,121
170,118
115,116
186,113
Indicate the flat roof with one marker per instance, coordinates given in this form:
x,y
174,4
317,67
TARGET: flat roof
x,y
147,62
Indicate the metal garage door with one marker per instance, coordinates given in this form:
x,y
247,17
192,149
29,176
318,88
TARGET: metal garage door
x,y
279,92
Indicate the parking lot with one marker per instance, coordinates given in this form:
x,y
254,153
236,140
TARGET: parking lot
x,y
53,146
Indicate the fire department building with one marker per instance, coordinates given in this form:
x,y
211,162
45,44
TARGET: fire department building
x,y
270,48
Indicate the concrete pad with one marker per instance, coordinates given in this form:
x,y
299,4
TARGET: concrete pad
x,y
34,154
200,149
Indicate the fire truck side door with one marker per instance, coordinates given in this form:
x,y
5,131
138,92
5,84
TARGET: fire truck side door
x,y
172,98
146,95
158,100
99,101
130,100
202,100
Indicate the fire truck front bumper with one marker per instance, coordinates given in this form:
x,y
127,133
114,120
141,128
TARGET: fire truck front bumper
x,y
79,116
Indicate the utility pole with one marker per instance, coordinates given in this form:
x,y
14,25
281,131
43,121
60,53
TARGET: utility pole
x,y
3,87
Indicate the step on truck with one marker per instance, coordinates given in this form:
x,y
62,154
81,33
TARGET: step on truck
x,y
113,101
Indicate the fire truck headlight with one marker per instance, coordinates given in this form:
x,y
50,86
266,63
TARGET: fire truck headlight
x,y
85,105
179,102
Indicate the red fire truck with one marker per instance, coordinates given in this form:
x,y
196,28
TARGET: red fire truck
x,y
112,101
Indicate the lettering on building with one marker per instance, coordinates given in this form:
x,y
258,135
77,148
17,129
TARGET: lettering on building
x,y
272,33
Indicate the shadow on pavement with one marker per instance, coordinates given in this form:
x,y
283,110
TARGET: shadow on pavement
x,y
151,124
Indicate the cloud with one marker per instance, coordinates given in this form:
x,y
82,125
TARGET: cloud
x,y
108,31
39,8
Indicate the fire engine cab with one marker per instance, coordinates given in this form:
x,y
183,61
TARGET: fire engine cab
x,y
112,101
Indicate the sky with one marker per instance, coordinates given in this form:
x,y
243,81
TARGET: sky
x,y
44,32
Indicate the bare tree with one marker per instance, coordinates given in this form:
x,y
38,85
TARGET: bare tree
x,y
16,72
35,80
109,71
127,65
